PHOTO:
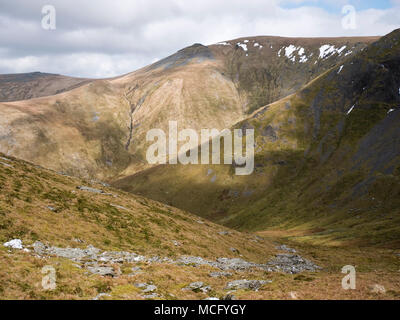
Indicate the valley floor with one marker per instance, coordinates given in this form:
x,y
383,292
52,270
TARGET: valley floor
x,y
103,243
377,277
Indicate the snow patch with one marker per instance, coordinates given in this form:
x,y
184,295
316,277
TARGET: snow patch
x,y
391,110
242,45
289,50
351,109
348,52
290,53
340,69
327,50
223,44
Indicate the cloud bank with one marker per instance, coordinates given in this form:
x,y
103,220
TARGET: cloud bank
x,y
104,38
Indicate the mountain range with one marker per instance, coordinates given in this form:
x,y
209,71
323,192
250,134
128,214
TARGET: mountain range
x,y
326,180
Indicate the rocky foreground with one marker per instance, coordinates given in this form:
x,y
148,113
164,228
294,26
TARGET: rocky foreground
x,y
103,263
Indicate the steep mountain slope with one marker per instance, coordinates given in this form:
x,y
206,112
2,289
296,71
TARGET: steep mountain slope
x,y
327,159
66,238
99,129
23,86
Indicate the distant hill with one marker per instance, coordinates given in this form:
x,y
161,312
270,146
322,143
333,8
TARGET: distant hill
x,y
23,86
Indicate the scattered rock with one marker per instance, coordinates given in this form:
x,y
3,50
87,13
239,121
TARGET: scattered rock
x,y
151,296
377,288
103,271
51,208
292,263
234,250
220,274
224,233
89,189
176,243
93,190
14,243
39,248
118,207
90,256
246,284
229,296
236,264
150,288
101,295
198,286
285,248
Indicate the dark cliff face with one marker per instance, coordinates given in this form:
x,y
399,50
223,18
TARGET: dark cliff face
x,y
266,69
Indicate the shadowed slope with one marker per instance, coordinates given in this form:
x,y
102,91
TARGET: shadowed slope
x,y
319,163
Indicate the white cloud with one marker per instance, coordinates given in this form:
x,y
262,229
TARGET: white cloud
x,y
99,38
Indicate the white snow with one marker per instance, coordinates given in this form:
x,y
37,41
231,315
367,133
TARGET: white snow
x,y
303,59
351,109
302,54
341,49
15,244
340,69
224,44
290,53
289,50
328,50
243,46
390,110
256,44
399,91
246,41
348,52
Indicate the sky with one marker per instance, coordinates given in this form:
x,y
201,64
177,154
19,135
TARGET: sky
x,y
105,38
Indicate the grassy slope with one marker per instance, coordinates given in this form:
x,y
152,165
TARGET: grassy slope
x,y
148,227
321,170
144,227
